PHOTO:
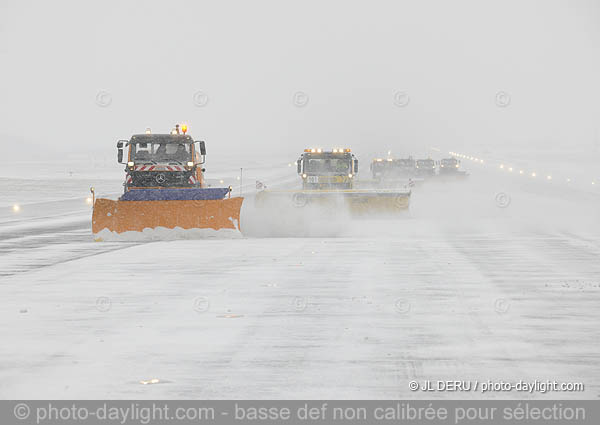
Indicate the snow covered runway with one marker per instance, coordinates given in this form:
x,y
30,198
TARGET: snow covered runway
x,y
460,290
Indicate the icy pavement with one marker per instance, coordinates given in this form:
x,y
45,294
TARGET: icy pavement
x,y
462,289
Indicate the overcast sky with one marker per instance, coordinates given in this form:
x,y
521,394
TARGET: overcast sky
x,y
253,76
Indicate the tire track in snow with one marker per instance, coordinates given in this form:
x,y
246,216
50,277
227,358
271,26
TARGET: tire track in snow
x,y
548,324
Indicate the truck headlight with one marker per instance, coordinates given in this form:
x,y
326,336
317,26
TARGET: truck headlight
x,y
130,164
190,164
304,176
350,176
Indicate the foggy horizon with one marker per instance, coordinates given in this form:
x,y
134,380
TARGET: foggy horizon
x,y
387,75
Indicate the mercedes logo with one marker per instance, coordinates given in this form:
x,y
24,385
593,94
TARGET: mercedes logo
x,y
160,178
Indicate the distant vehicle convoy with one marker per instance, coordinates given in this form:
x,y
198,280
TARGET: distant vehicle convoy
x,y
391,169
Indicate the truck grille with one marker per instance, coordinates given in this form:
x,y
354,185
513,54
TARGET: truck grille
x,y
160,179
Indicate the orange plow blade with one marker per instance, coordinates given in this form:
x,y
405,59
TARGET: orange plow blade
x,y
139,216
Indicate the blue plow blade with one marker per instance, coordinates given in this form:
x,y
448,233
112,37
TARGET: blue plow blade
x,y
200,194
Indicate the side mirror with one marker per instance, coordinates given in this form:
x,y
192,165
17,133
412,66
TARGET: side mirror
x,y
200,151
356,166
299,166
120,145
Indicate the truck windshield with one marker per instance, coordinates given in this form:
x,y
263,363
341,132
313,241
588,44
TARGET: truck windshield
x,y
451,161
327,165
161,152
425,163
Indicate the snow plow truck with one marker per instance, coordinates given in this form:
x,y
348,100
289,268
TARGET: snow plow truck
x,y
164,189
396,172
450,168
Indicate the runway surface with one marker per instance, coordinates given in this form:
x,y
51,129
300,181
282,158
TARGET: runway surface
x,y
461,288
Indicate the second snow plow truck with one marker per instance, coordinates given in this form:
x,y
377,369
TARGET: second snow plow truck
x,y
164,189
